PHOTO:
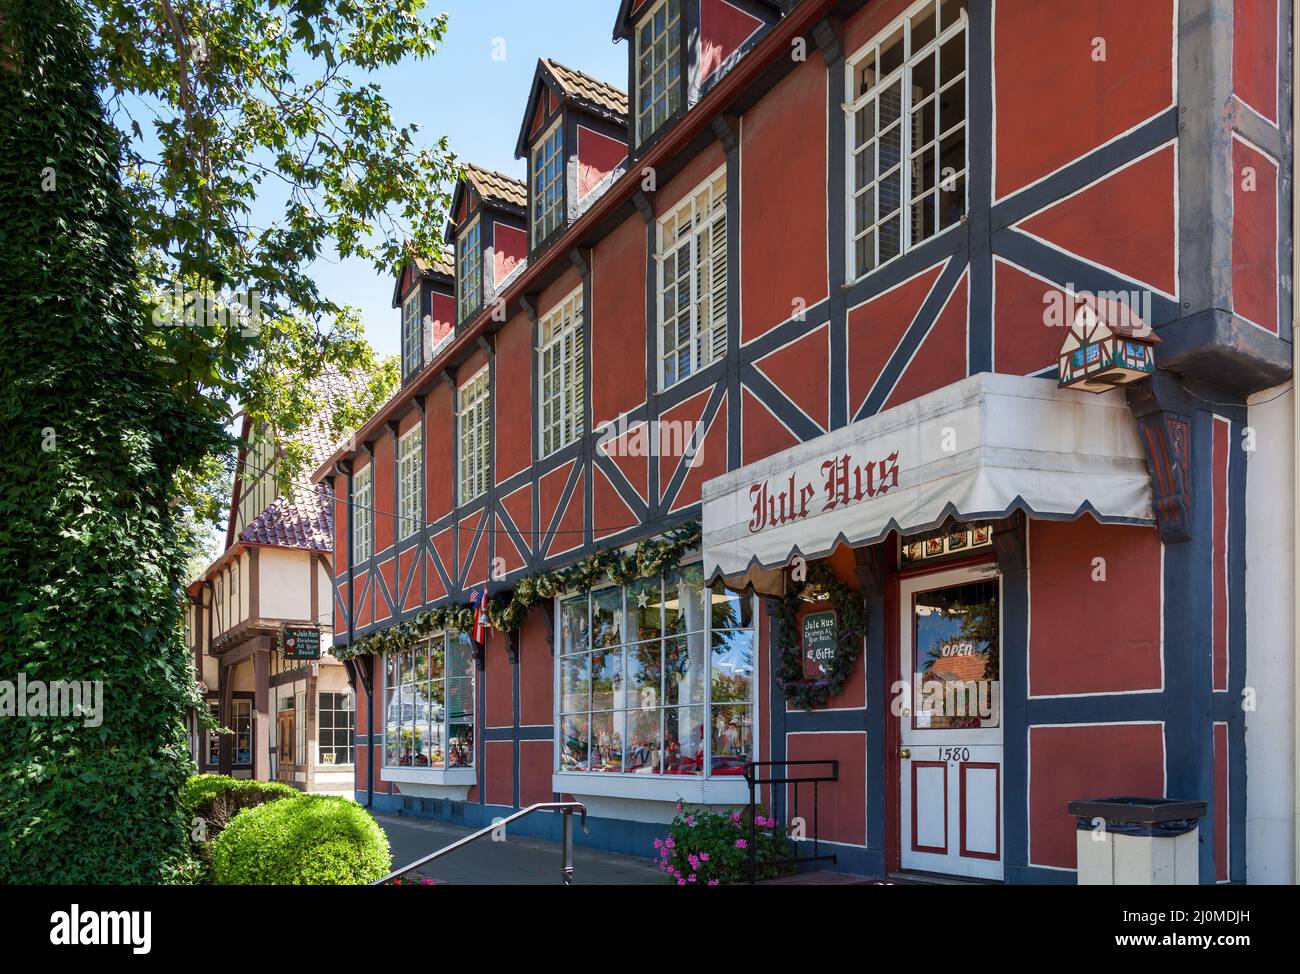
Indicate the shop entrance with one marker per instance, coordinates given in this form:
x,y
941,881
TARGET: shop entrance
x,y
284,737
949,714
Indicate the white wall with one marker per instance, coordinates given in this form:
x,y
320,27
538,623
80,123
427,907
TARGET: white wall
x,y
285,589
1270,639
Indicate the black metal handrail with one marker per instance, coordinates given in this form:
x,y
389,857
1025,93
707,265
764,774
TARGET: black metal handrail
x,y
566,851
815,780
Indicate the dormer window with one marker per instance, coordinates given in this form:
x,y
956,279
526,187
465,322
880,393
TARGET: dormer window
x,y
469,271
548,183
658,67
411,334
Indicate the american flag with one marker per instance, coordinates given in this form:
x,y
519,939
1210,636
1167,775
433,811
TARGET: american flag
x,y
479,601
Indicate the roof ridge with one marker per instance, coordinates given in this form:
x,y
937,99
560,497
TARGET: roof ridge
x,y
494,172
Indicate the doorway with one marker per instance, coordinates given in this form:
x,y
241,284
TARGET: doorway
x,y
949,716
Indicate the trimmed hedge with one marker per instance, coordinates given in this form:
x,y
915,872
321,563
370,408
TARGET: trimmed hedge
x,y
210,801
315,840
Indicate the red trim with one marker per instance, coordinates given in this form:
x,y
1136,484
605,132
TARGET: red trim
x,y
997,820
937,850
893,734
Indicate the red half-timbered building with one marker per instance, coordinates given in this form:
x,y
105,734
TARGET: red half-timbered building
x,y
807,284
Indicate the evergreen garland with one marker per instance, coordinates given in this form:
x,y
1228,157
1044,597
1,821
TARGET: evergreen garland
x,y
851,625
506,612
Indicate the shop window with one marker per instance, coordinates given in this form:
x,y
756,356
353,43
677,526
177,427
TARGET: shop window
x,y
334,728
242,724
429,704
657,678
906,138
213,738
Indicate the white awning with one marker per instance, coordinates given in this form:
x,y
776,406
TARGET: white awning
x,y
977,449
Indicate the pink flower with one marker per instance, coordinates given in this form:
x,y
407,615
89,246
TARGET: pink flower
x,y
679,806
735,816
704,857
691,878
670,843
681,882
690,819
713,882
694,860
741,844
659,843
663,853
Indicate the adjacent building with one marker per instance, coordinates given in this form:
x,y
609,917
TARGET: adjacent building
x,y
783,327
259,624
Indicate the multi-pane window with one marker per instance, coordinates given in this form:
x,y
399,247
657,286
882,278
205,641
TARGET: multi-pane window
x,y
657,678
548,183
412,333
907,134
214,739
334,728
409,468
658,67
429,704
562,376
300,729
692,298
472,416
362,501
469,271
242,724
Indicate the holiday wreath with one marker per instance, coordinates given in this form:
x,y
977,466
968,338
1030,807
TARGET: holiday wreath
x,y
803,692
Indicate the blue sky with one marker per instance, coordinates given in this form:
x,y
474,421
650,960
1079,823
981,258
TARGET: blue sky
x,y
478,103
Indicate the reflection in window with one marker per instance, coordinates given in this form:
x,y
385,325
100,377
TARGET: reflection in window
x,y
429,704
657,678
956,656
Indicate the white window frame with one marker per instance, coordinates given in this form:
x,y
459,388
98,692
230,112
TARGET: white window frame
x,y
910,155
412,334
410,458
336,733
394,668
561,374
703,213
362,501
473,435
469,270
546,173
706,786
669,96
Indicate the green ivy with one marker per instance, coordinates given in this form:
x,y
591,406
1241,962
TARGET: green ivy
x,y
90,558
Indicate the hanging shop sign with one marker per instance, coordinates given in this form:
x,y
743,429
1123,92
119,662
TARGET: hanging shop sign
x,y
299,642
820,643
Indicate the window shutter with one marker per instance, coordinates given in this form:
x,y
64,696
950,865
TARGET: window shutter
x,y
718,289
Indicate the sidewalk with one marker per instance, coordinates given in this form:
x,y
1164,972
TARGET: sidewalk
x,y
518,861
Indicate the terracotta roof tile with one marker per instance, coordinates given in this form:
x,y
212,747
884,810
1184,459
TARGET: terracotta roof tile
x,y
496,187
438,265
305,519
591,91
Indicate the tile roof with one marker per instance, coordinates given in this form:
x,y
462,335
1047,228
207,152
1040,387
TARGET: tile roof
x,y
588,90
438,265
305,518
496,187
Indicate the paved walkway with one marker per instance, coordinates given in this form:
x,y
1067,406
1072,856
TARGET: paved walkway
x,y
518,861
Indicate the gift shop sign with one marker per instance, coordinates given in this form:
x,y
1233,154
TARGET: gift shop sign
x,y
820,643
828,485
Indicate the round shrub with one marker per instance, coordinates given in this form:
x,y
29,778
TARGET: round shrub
x,y
210,801
317,840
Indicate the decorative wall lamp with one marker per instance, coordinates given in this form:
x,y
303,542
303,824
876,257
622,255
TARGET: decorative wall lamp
x,y
1108,345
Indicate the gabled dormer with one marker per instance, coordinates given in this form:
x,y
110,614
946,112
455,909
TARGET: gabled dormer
x,y
425,291
574,134
488,230
678,50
